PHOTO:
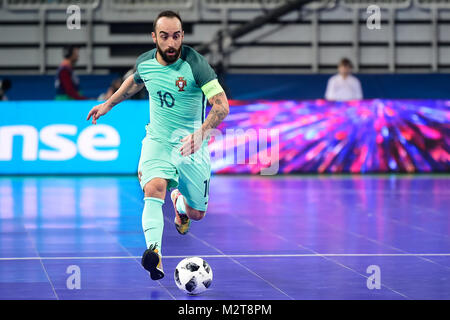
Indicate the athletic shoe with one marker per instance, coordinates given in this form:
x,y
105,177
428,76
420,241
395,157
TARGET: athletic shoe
x,y
182,221
152,262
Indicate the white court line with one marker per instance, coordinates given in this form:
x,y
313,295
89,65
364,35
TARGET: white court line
x,y
244,256
140,265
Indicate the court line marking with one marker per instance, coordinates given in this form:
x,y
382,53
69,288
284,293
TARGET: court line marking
x,y
136,258
294,255
251,223
40,261
222,253
241,265
378,242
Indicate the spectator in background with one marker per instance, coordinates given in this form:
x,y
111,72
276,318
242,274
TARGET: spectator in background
x,y
5,85
66,82
344,86
115,85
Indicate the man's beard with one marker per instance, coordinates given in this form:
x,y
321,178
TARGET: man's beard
x,y
169,59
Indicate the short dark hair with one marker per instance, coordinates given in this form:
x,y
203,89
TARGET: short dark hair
x,y
168,14
5,85
346,63
68,50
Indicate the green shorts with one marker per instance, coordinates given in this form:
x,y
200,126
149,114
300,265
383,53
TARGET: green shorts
x,y
190,174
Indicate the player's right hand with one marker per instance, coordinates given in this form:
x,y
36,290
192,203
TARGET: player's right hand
x,y
98,111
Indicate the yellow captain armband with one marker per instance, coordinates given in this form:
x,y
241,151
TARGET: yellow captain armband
x,y
212,88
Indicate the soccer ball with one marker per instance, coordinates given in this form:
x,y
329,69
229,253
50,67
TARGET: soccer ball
x,y
193,275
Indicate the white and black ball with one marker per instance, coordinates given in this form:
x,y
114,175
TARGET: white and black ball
x,y
193,275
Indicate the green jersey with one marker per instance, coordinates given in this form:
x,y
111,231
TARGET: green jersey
x,y
178,93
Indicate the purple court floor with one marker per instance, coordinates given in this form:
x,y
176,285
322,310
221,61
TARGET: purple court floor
x,y
294,237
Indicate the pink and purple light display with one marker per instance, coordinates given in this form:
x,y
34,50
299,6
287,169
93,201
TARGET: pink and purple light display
x,y
329,137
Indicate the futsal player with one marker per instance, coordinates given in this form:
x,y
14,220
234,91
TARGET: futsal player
x,y
174,152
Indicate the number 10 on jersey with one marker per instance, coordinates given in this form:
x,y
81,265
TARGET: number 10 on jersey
x,y
166,99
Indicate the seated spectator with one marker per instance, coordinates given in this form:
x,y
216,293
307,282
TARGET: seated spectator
x,y
5,85
115,85
66,82
344,86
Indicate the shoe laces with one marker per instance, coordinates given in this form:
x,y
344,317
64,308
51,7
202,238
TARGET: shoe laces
x,y
184,218
153,247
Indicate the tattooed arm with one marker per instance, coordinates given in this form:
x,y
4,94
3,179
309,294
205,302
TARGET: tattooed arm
x,y
219,111
126,90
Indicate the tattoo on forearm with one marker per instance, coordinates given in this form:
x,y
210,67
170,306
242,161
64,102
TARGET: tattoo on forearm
x,y
123,97
217,113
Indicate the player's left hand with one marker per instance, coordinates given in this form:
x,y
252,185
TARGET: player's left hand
x,y
191,143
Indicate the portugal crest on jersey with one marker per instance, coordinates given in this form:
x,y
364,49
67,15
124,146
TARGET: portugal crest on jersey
x,y
181,83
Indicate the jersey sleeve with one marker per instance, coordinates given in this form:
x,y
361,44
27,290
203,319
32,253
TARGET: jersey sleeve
x,y
204,75
142,58
137,77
